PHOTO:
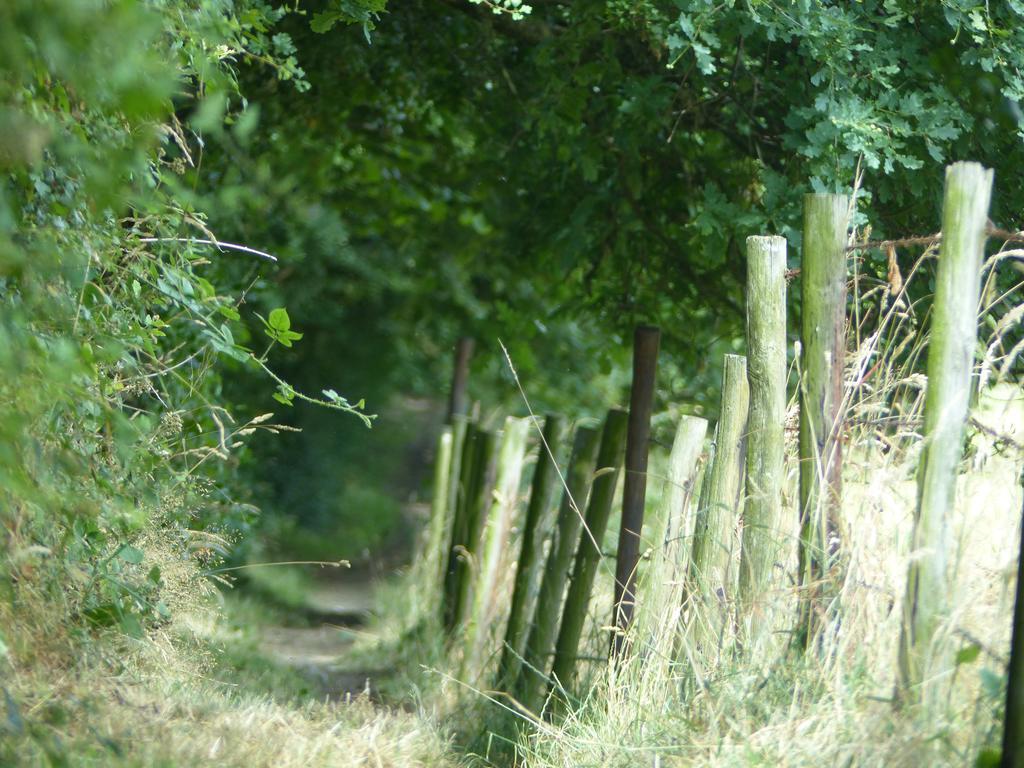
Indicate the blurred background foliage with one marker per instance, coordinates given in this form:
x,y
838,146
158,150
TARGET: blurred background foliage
x,y
422,171
555,180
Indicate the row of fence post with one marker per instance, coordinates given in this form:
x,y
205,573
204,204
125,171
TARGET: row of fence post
x,y
741,509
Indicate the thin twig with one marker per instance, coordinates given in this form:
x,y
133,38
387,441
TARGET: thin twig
x,y
218,243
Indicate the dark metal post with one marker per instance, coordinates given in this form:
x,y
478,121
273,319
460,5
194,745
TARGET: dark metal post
x,y
646,340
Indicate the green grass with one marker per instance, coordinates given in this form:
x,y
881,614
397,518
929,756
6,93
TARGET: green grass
x,y
201,690
776,707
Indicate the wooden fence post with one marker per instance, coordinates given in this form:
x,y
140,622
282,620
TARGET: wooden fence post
x,y
440,516
1013,722
459,499
823,345
536,528
646,340
460,427
765,534
457,402
922,657
477,478
532,679
454,507
713,535
477,498
683,464
588,555
662,598
493,549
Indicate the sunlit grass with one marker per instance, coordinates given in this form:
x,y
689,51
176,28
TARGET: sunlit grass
x,y
200,690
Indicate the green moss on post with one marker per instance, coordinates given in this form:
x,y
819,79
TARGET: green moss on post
x,y
467,550
666,522
923,656
823,350
461,477
439,530
713,536
536,529
532,681
683,466
460,425
765,532
499,522
588,555
662,589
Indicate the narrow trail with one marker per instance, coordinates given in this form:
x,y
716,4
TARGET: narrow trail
x,y
340,602
335,610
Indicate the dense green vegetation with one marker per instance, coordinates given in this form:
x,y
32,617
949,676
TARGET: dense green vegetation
x,y
547,175
554,180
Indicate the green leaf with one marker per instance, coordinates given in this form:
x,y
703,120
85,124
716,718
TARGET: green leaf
x,y
210,114
967,654
246,123
131,626
279,319
324,21
282,399
229,312
103,615
154,574
287,337
131,554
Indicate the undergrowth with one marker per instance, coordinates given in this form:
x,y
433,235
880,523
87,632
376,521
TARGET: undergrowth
x,y
120,496
675,701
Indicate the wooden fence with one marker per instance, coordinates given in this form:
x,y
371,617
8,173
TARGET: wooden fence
x,y
527,644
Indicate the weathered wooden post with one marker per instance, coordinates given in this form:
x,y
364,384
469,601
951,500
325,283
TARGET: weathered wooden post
x,y
445,512
588,555
455,491
671,561
478,476
536,528
662,590
646,340
714,529
433,557
457,402
683,464
690,597
531,682
765,533
477,499
459,501
923,658
1013,722
823,349
495,544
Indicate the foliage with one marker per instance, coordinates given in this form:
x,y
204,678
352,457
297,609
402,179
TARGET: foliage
x,y
114,431
555,180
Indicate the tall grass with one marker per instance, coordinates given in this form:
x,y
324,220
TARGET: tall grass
x,y
673,701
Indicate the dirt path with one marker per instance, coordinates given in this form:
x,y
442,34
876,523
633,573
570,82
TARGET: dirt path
x,y
340,603
335,610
